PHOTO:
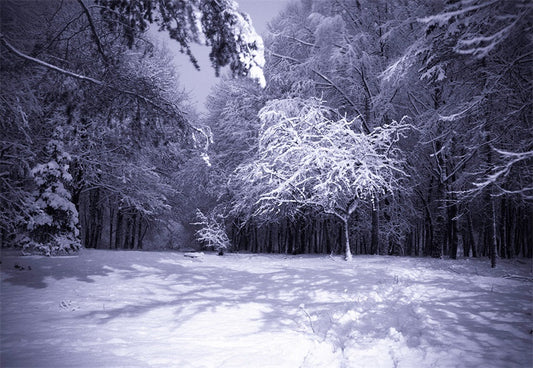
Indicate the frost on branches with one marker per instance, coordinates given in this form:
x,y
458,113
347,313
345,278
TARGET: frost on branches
x,y
309,157
211,233
53,222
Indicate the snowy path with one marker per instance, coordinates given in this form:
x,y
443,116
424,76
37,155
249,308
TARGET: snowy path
x,y
159,309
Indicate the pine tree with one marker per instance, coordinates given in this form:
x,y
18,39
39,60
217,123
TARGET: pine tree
x,y
53,221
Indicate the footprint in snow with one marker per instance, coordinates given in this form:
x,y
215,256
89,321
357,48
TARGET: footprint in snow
x,y
68,305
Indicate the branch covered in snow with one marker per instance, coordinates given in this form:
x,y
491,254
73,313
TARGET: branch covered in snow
x,y
500,172
308,159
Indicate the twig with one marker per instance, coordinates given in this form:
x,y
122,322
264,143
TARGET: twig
x,y
308,317
451,269
517,277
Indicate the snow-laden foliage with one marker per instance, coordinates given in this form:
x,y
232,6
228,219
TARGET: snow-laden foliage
x,y
309,157
468,20
512,162
211,232
53,222
218,24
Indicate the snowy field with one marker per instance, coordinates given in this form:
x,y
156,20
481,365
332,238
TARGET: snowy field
x,y
161,309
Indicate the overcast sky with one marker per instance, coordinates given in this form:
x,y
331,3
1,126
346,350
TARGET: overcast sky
x,y
199,83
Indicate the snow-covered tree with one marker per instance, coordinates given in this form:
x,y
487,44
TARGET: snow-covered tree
x,y
233,106
53,219
337,51
211,232
310,157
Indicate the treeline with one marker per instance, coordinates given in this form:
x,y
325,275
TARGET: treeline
x,y
460,73
316,236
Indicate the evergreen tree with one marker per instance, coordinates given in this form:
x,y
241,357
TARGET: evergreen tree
x,y
53,221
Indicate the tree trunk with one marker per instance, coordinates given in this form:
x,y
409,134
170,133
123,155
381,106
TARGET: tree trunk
x,y
493,248
348,252
374,242
118,234
453,238
140,233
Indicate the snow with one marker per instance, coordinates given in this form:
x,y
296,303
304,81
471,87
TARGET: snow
x,y
161,309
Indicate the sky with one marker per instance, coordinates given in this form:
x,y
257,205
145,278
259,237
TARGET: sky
x,y
199,83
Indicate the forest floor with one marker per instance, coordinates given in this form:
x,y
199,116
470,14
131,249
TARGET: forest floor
x,y
161,309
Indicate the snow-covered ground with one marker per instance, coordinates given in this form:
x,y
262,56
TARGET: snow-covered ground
x,y
161,309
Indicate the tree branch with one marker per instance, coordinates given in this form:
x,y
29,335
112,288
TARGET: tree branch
x,y
285,57
97,82
299,41
331,84
365,126
93,30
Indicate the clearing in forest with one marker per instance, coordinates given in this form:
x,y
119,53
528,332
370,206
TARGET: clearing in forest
x,y
161,309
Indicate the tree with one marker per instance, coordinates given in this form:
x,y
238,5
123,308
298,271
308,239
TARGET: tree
x,y
211,233
232,107
337,51
53,218
309,157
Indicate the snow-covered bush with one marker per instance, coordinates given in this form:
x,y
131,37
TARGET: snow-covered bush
x,y
211,233
53,221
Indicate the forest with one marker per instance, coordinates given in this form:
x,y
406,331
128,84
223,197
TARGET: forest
x,y
351,127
